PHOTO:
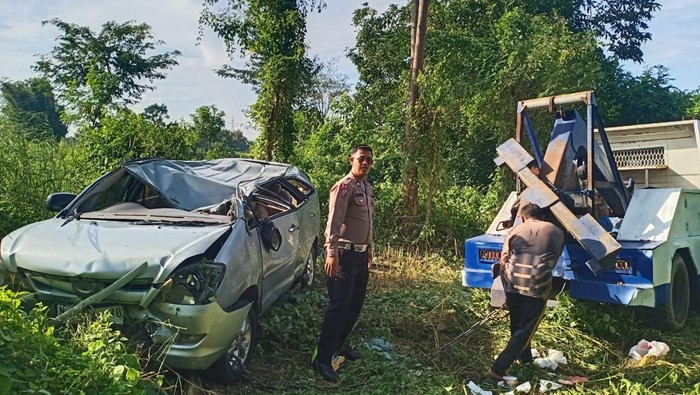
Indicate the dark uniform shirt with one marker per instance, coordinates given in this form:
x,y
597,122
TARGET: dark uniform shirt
x,y
350,212
530,252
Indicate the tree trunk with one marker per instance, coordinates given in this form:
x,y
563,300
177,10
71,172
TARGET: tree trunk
x,y
419,19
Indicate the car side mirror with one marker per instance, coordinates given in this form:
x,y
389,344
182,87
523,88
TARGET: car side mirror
x,y
58,201
270,235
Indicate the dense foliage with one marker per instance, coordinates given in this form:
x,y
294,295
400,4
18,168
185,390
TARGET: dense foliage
x,y
32,106
481,56
86,357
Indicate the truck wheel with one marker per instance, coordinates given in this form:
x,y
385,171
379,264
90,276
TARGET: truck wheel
x,y
235,361
675,312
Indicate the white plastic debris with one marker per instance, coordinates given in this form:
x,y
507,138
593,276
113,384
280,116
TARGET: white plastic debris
x,y
652,348
524,387
545,363
476,390
546,385
552,361
535,353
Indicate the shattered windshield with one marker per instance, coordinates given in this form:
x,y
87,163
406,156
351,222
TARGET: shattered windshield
x,y
123,196
121,187
162,188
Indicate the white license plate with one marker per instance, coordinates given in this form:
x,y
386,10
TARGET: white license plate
x,y
117,312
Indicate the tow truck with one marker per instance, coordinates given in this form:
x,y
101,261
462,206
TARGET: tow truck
x,y
626,244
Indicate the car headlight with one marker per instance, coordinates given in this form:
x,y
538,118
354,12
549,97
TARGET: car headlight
x,y
194,283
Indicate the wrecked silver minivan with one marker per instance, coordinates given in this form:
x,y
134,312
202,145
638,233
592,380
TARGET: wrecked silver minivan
x,y
192,251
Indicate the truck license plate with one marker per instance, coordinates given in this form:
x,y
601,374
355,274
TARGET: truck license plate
x,y
117,312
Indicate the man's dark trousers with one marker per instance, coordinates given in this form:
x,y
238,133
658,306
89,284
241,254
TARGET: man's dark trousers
x,y
525,315
347,295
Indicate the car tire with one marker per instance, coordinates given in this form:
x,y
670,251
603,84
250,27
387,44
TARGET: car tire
x,y
674,313
306,280
231,366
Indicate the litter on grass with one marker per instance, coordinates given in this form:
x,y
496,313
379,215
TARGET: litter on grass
x,y
552,361
546,385
381,345
573,380
476,390
525,387
651,348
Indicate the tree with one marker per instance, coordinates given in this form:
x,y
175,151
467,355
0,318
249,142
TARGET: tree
x,y
31,107
419,20
327,86
98,73
648,98
125,135
271,33
693,110
157,113
621,25
213,139
481,57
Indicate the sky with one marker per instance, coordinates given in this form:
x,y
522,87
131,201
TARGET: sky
x,y
193,83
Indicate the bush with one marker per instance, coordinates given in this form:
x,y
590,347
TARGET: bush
x,y
84,358
455,215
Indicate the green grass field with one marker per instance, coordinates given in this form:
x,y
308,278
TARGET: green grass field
x,y
419,306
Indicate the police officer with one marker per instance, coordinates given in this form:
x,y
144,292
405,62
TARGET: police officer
x,y
348,258
530,252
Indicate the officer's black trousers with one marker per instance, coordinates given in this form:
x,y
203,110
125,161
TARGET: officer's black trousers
x,y
347,295
525,315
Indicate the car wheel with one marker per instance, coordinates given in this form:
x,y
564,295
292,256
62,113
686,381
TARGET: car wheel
x,y
307,277
673,314
235,361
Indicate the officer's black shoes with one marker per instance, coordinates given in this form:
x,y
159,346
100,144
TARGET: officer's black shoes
x,y
325,370
351,354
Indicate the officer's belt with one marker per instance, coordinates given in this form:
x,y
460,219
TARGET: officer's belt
x,y
353,247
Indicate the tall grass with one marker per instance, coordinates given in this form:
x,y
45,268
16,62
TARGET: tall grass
x,y
31,169
417,304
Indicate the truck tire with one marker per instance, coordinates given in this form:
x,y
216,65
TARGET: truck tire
x,y
232,365
675,312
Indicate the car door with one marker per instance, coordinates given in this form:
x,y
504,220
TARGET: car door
x,y
308,213
278,266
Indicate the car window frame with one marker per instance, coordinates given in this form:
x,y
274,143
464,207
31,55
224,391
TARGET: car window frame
x,y
303,198
256,197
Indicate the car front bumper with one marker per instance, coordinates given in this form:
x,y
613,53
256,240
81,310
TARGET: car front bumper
x,y
195,336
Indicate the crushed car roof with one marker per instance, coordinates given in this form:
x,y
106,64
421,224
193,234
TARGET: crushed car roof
x,y
196,184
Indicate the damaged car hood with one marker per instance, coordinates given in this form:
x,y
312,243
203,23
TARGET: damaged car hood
x,y
105,249
190,185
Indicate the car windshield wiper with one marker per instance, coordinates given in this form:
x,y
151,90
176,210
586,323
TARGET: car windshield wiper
x,y
174,223
73,215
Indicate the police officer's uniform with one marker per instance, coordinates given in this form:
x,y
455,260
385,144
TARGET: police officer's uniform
x,y
349,237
